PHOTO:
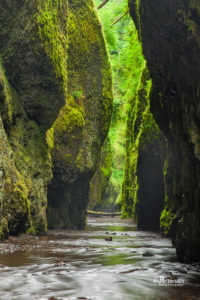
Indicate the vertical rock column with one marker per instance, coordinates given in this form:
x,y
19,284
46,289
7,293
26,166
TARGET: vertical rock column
x,y
33,84
143,186
82,125
170,35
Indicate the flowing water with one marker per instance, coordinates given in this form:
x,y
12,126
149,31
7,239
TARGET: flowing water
x,y
87,264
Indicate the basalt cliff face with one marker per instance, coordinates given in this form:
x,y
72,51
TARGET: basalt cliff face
x,y
143,187
170,36
55,105
83,123
99,201
31,95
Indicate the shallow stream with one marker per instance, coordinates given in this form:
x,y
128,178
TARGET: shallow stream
x,y
108,260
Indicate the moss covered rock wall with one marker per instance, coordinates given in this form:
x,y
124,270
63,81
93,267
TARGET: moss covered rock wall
x,y
55,106
83,122
32,91
170,35
143,189
100,181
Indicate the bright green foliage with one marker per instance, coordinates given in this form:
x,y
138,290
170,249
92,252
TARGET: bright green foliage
x,y
133,128
127,62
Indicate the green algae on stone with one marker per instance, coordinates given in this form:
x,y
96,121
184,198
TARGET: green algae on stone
x,y
126,61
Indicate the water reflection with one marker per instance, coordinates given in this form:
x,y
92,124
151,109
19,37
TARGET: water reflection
x,y
86,265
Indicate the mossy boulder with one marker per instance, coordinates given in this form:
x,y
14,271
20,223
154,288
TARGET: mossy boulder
x,y
83,122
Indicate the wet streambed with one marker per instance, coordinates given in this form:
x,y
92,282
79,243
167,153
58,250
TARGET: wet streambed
x,y
110,259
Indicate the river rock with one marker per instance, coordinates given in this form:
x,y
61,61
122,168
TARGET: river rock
x,y
109,239
147,254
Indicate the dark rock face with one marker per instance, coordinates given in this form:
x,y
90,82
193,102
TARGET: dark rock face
x,y
82,124
150,193
170,35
